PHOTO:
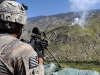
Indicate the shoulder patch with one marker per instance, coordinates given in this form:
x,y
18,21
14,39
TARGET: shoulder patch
x,y
33,62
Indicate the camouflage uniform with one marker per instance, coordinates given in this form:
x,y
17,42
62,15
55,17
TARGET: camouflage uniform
x,y
17,55
37,48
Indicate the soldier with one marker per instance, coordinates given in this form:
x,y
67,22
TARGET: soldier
x,y
16,57
35,43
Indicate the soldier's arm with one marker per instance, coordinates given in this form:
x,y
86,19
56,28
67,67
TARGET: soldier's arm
x,y
26,54
31,61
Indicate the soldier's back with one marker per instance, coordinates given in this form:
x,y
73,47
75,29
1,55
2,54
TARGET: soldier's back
x,y
15,56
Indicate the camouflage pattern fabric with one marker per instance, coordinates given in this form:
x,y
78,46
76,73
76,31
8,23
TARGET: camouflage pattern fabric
x,y
41,66
41,69
13,12
17,58
5,0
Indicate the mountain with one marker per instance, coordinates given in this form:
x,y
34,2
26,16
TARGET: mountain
x,y
69,43
45,22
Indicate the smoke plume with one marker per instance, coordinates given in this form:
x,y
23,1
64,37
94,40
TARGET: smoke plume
x,y
82,5
76,21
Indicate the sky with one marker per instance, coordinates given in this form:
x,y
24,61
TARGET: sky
x,y
52,7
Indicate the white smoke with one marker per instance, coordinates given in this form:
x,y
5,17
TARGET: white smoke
x,y
76,21
82,5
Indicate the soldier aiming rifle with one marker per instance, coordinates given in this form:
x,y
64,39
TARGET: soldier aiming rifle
x,y
39,44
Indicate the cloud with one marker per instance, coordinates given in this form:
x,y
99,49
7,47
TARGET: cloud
x,y
82,4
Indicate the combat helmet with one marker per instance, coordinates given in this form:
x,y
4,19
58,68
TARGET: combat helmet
x,y
12,17
12,11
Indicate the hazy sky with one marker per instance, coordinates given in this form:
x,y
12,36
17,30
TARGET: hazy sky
x,y
52,7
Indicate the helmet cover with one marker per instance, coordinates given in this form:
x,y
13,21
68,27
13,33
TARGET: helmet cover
x,y
12,11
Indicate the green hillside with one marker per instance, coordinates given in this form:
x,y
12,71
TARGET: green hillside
x,y
73,46
75,43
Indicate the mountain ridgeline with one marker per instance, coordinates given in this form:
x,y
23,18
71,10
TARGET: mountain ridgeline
x,y
69,43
